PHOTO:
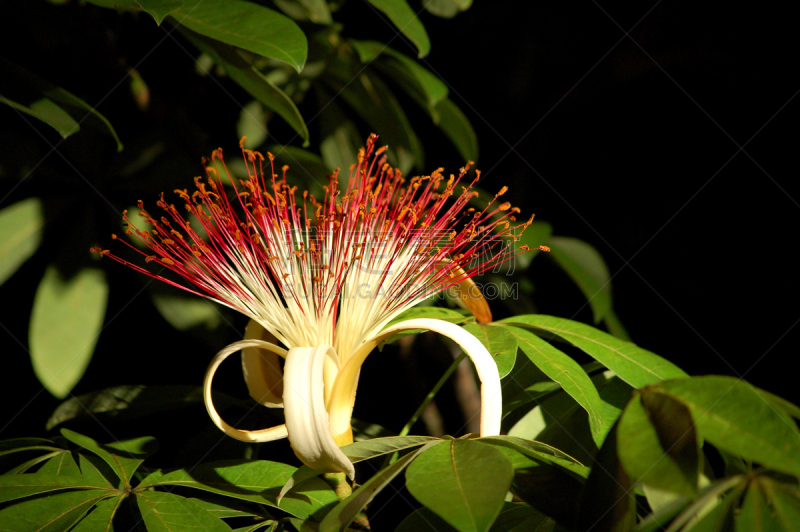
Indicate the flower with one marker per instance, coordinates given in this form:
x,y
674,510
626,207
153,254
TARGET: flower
x,y
325,278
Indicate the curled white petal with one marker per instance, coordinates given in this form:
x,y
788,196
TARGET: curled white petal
x,y
304,407
262,371
269,434
341,404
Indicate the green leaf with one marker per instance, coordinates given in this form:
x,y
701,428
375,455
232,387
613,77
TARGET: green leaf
x,y
62,464
304,165
532,393
756,513
224,508
538,451
709,511
48,112
340,137
402,16
634,365
463,481
782,404
302,474
53,105
66,320
124,458
732,415
167,512
423,520
246,25
184,313
608,501
446,8
316,11
252,124
20,234
615,327
18,486
456,127
562,369
658,443
255,481
419,82
784,501
372,99
364,450
17,445
517,517
100,519
500,343
25,466
586,268
158,9
437,313
251,79
343,513
534,236
53,513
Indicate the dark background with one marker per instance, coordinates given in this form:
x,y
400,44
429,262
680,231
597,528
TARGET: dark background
x,y
664,134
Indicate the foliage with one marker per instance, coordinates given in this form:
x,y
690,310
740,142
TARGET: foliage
x,y
599,432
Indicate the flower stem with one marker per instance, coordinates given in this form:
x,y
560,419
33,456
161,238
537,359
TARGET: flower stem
x,y
431,395
338,481
392,458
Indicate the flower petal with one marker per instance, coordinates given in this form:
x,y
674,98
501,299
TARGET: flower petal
x,y
304,406
262,371
344,392
272,433
467,294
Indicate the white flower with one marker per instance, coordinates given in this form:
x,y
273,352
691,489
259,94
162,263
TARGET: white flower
x,y
323,279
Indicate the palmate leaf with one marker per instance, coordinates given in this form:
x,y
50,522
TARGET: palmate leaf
x,y
463,481
56,107
539,452
514,516
53,513
364,450
561,368
500,343
658,443
340,517
14,487
634,365
608,501
65,322
124,458
359,451
402,16
732,415
101,517
21,227
257,481
166,512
